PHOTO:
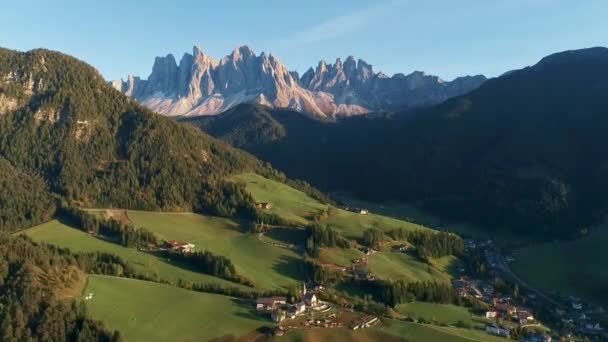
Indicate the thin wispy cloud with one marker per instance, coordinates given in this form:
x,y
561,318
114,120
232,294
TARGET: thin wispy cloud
x,y
343,24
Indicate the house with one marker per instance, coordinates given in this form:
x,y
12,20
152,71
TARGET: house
x,y
311,299
403,248
269,303
491,314
498,331
525,315
577,306
358,210
278,316
263,205
300,307
461,292
182,247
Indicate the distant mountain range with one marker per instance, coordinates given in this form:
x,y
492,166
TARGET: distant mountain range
x,y
200,85
525,150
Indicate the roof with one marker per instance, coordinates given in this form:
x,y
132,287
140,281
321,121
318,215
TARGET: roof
x,y
270,300
309,296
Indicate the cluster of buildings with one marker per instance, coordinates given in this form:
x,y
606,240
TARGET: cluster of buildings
x,y
500,305
571,311
279,309
578,315
181,247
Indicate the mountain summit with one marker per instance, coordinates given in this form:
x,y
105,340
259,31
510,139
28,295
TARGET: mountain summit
x,y
200,85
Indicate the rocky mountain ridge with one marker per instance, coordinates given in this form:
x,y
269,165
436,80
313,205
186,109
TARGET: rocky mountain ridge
x,y
200,85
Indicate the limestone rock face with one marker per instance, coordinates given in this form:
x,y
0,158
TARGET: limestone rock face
x,y
199,85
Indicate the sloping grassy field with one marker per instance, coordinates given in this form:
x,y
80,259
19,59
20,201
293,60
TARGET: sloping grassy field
x,y
146,311
441,313
400,266
393,330
577,267
297,206
268,266
286,201
59,234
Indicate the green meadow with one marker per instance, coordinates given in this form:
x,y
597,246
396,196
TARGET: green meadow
x,y
577,267
268,266
286,201
146,311
401,266
441,313
393,330
295,205
59,234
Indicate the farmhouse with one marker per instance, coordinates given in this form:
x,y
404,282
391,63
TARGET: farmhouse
x,y
182,247
403,248
269,303
263,205
524,315
498,331
491,314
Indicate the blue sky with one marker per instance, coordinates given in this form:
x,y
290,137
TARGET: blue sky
x,y
442,37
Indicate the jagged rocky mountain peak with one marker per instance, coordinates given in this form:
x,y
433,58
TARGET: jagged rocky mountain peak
x,y
199,85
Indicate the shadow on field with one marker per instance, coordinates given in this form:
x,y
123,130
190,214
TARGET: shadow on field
x,y
285,235
248,305
289,266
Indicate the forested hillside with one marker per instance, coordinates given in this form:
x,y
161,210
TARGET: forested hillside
x,y
525,151
35,283
24,199
92,146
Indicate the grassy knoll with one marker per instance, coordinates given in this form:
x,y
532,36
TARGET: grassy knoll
x,y
286,201
392,330
352,225
401,266
57,233
297,206
441,313
339,256
145,311
577,267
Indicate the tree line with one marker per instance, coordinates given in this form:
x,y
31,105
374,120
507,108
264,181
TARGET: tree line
x,y
29,309
209,263
324,236
430,244
126,235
